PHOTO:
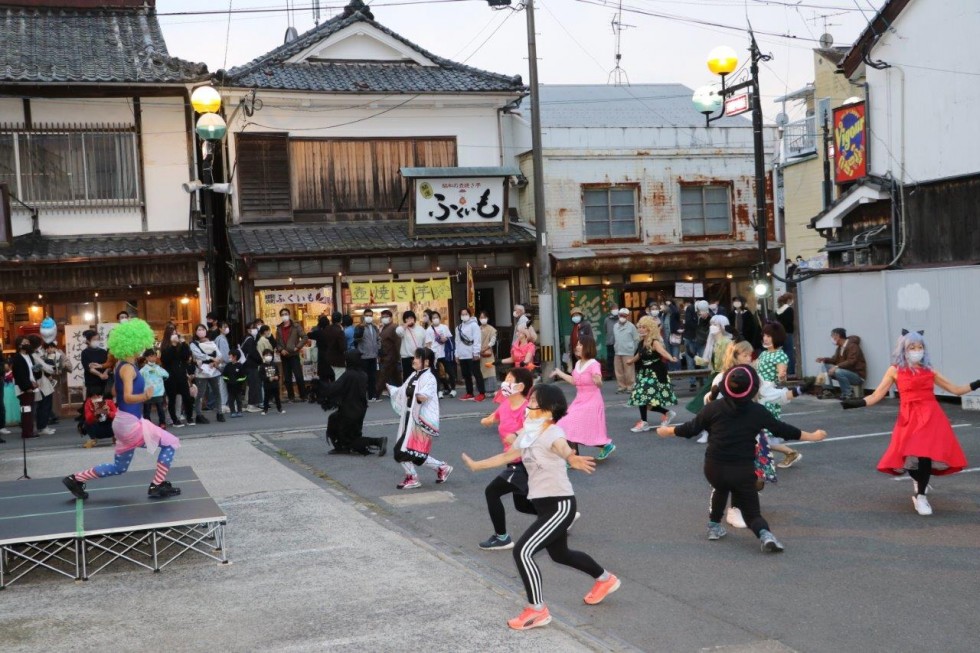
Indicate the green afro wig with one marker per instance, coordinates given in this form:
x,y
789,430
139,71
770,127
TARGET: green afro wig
x,y
130,339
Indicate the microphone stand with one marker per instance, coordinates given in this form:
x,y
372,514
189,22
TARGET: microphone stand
x,y
23,442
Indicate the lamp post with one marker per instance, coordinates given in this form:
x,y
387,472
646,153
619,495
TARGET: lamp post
x,y
210,128
723,61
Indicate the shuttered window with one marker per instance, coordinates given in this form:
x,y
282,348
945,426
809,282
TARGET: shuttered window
x,y
263,177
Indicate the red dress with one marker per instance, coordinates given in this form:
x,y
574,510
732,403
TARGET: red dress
x,y
922,429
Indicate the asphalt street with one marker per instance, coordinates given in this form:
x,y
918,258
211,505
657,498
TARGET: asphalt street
x,y
861,572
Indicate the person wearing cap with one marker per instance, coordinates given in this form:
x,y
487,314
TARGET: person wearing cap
x,y
733,421
627,338
580,327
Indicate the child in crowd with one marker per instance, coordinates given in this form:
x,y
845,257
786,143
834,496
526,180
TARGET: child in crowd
x,y
269,374
235,377
154,376
99,414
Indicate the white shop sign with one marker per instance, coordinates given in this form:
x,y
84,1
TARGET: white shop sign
x,y
688,290
298,296
467,200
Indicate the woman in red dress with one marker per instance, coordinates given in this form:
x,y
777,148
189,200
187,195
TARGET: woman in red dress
x,y
923,442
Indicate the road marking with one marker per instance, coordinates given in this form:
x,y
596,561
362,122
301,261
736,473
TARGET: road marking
x,y
806,412
419,498
857,437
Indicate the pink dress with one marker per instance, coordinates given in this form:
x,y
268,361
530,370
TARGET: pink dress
x,y
585,422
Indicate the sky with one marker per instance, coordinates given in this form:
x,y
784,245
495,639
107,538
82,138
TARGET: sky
x,y
575,38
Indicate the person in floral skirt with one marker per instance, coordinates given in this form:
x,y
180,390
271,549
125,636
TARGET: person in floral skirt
x,y
652,389
585,423
772,365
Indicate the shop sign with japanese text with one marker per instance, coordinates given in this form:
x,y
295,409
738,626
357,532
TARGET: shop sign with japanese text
x,y
298,296
469,200
850,143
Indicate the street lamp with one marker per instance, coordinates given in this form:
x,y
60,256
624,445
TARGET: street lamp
x,y
210,128
723,61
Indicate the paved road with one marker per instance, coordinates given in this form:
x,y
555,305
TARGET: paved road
x,y
862,571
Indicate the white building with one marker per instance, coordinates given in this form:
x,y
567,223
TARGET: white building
x,y
643,201
95,141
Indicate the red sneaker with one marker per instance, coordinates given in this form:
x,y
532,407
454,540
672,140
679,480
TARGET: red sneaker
x,y
481,397
466,397
530,618
602,589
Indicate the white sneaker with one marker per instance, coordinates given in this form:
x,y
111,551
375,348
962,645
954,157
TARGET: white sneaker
x,y
667,418
641,427
577,515
225,409
441,394
921,504
253,409
47,431
735,519
5,431
704,438
452,393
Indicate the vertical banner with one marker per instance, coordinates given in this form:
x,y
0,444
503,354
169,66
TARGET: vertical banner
x,y
360,293
441,289
401,291
423,291
470,289
383,292
850,143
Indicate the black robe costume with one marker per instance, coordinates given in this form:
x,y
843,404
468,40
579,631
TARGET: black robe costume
x,y
348,395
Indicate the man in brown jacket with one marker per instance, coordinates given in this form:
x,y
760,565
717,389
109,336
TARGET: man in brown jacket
x,y
390,372
847,364
290,339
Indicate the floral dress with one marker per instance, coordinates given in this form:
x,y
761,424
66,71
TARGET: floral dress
x,y
768,368
652,387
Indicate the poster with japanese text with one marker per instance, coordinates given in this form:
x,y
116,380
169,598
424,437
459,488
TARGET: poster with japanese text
x,y
74,346
469,201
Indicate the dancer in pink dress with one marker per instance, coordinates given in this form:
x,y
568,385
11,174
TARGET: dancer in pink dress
x,y
585,423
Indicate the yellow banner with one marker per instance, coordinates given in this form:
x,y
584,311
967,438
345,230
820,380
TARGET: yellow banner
x,y
383,292
423,291
441,289
401,291
470,288
360,293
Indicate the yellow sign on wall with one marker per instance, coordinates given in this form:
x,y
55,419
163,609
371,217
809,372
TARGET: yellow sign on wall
x,y
401,291
360,293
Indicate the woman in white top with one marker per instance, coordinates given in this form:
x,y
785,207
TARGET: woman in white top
x,y
542,447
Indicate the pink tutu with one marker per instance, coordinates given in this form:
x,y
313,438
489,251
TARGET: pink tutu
x,y
132,432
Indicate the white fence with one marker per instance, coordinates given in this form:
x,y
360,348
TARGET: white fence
x,y
878,305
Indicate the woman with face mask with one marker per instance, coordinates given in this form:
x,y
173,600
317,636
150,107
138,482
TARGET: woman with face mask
x,y
251,362
585,423
488,344
923,443
126,342
25,385
713,355
94,361
175,356
224,347
207,374
417,405
541,445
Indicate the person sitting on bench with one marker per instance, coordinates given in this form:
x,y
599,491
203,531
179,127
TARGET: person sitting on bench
x,y
847,364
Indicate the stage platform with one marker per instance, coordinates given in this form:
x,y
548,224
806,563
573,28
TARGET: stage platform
x,y
43,527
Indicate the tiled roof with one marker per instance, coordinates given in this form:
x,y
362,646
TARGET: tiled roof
x,y
378,236
60,45
67,249
271,71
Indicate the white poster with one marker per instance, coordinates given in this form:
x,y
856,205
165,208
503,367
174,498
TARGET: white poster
x,y
74,346
688,290
470,200
298,296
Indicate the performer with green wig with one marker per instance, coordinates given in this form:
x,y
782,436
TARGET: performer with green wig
x,y
126,342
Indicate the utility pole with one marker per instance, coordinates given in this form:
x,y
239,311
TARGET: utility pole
x,y
761,223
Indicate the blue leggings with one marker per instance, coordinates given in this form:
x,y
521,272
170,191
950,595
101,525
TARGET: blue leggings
x,y
123,460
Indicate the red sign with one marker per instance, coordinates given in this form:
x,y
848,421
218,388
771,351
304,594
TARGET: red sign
x,y
737,104
850,143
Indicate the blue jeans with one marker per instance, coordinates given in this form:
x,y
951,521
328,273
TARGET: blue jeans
x,y
690,351
675,351
846,378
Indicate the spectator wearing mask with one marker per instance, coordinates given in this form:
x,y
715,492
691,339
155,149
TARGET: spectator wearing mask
x,y
609,329
94,359
347,322
290,340
627,338
212,322
412,338
368,340
270,383
329,350
98,415
744,323
847,366
235,377
672,331
224,347
122,317
786,315
156,377
25,382
207,374
468,341
52,363
250,362
390,355
175,356
437,336
523,321
488,342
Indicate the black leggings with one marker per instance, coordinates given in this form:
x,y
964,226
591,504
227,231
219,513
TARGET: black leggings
x,y
470,369
921,475
737,479
500,487
656,409
175,389
550,531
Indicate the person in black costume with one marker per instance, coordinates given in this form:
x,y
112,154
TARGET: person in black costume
x,y
348,395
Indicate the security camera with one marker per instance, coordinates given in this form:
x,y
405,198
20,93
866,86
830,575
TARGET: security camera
x,y
223,189
192,186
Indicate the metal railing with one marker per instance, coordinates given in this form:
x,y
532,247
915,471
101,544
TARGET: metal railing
x,y
800,137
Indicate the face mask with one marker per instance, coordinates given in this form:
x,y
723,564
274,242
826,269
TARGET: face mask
x,y
915,356
225,331
464,317
96,344
285,318
201,334
713,307
614,313
533,426
663,309
506,388
25,347
175,338
622,320
253,332
737,304
714,329
702,315
436,321
516,314
368,319
576,319
386,321
834,342
267,359
484,320
123,320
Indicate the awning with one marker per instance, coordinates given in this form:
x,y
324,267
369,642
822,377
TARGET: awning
x,y
38,248
866,192
640,257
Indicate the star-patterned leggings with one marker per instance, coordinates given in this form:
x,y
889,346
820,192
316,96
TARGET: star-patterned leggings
x,y
122,461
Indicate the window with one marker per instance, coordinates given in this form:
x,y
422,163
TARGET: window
x,y
71,168
705,211
610,212
263,177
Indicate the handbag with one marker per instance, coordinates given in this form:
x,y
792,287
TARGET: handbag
x,y
675,339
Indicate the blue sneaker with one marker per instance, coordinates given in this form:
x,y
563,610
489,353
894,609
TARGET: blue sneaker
x,y
716,531
497,542
606,450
